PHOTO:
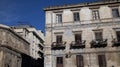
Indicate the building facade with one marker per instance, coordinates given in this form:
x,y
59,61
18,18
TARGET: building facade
x,y
83,35
12,48
36,40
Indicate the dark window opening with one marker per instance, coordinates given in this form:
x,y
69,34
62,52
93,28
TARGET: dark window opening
x,y
118,35
78,38
115,13
59,38
102,60
80,61
76,16
59,61
98,36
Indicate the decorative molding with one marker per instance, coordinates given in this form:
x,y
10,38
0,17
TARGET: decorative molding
x,y
91,4
77,32
101,24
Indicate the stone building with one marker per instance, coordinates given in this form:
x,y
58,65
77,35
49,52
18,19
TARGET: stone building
x,y
83,35
36,40
13,48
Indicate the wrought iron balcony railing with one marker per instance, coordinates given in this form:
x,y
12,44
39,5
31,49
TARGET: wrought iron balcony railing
x,y
77,44
115,43
58,46
98,43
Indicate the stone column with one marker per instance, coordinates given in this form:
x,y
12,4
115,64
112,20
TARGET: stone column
x,y
48,61
1,58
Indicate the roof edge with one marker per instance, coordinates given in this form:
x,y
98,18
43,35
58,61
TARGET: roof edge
x,y
81,5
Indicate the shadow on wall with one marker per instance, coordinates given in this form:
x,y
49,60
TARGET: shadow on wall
x,y
28,61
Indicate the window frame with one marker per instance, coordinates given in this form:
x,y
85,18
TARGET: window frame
x,y
58,62
98,35
59,18
95,14
98,31
118,12
76,16
61,38
115,32
79,60
102,60
77,39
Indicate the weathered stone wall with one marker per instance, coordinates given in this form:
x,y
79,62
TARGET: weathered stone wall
x,y
111,53
10,58
11,48
11,39
105,13
86,25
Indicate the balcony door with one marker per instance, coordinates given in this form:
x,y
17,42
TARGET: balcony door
x,y
78,38
98,35
59,62
59,38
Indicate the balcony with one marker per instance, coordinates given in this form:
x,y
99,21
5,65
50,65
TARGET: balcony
x,y
77,44
98,43
58,46
115,43
41,54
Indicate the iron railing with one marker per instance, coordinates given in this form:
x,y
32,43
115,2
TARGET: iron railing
x,y
98,43
77,44
57,46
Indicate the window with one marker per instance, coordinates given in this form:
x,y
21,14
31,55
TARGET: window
x,y
59,38
95,14
115,13
118,35
79,61
98,35
102,60
59,18
59,61
78,38
76,16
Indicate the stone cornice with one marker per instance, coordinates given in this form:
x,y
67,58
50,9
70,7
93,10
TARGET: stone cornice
x,y
101,24
82,5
